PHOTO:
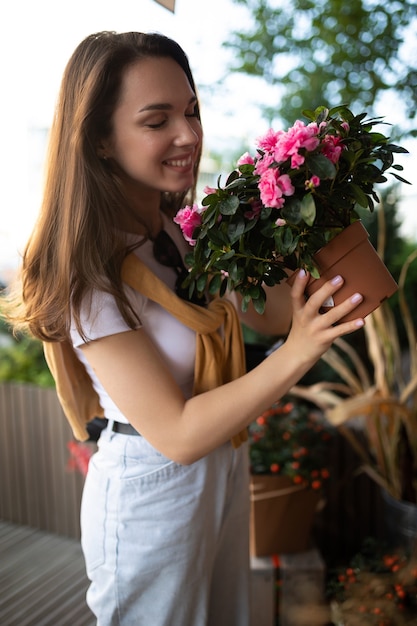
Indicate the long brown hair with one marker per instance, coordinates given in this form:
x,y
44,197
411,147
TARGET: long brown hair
x,y
74,246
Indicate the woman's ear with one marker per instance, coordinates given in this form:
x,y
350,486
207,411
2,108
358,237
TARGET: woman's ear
x,y
103,151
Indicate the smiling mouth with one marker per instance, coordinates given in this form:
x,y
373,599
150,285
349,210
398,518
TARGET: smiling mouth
x,y
179,162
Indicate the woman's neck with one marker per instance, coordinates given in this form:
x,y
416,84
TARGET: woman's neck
x,y
142,219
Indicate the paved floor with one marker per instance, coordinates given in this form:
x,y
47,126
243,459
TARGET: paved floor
x,y
42,579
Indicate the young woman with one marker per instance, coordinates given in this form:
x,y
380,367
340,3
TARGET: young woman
x,y
165,504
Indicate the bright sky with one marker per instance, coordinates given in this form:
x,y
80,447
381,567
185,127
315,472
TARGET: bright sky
x,y
37,41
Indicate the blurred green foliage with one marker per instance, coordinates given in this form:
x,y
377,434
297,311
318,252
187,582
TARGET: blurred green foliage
x,y
22,359
317,51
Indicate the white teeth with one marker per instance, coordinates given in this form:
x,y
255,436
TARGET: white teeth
x,y
180,163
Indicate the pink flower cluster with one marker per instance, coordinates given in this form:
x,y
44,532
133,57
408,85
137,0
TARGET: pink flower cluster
x,y
282,154
277,147
189,218
284,145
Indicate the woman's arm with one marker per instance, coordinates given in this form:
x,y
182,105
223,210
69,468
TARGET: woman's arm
x,y
132,371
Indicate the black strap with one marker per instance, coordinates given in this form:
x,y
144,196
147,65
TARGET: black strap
x,y
124,429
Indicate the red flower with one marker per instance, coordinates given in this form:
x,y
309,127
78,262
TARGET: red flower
x,y
80,456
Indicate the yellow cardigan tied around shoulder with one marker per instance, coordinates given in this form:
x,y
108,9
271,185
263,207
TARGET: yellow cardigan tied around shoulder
x,y
220,356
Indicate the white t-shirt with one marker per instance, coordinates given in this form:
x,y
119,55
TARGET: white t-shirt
x,y
175,341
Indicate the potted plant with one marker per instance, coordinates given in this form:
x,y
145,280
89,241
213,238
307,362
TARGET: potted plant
x,y
287,447
378,587
280,207
376,408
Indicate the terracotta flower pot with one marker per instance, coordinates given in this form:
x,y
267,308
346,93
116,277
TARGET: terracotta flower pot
x,y
352,255
281,516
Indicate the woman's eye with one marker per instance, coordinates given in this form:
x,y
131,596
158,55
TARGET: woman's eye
x,y
157,124
193,112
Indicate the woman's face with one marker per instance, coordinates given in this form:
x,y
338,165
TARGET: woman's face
x,y
156,135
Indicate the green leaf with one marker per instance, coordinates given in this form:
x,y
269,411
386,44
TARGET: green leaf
x,y
259,305
308,209
215,283
232,271
235,230
218,238
227,255
400,178
342,111
291,211
202,282
393,148
232,176
321,166
223,287
245,303
210,200
229,205
360,197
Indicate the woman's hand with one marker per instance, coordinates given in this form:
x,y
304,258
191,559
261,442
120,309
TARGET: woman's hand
x,y
312,331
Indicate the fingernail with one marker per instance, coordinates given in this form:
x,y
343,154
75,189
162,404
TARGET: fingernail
x,y
356,298
359,323
301,273
336,280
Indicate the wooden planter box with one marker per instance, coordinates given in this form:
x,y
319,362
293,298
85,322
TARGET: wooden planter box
x,y
281,515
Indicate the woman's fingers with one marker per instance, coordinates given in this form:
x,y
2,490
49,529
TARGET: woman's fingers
x,y
336,313
318,299
298,288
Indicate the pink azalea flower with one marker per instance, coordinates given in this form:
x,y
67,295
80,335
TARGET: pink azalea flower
x,y
256,206
297,161
263,164
313,182
332,148
208,190
246,159
285,184
189,218
280,222
270,194
273,187
297,137
267,142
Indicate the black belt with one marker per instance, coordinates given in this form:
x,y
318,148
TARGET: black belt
x,y
124,429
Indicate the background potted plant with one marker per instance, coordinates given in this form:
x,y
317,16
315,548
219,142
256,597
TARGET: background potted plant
x,y
378,587
288,447
278,208
375,408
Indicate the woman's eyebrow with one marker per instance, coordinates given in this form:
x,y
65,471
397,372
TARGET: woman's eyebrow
x,y
161,106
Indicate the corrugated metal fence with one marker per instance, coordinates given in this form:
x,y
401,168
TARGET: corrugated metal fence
x,y
36,487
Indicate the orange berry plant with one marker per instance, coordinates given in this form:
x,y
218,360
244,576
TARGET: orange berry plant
x,y
290,439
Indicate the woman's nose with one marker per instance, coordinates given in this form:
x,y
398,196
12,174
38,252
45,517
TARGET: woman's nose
x,y
188,133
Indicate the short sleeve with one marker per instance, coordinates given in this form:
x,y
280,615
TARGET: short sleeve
x,y
100,317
